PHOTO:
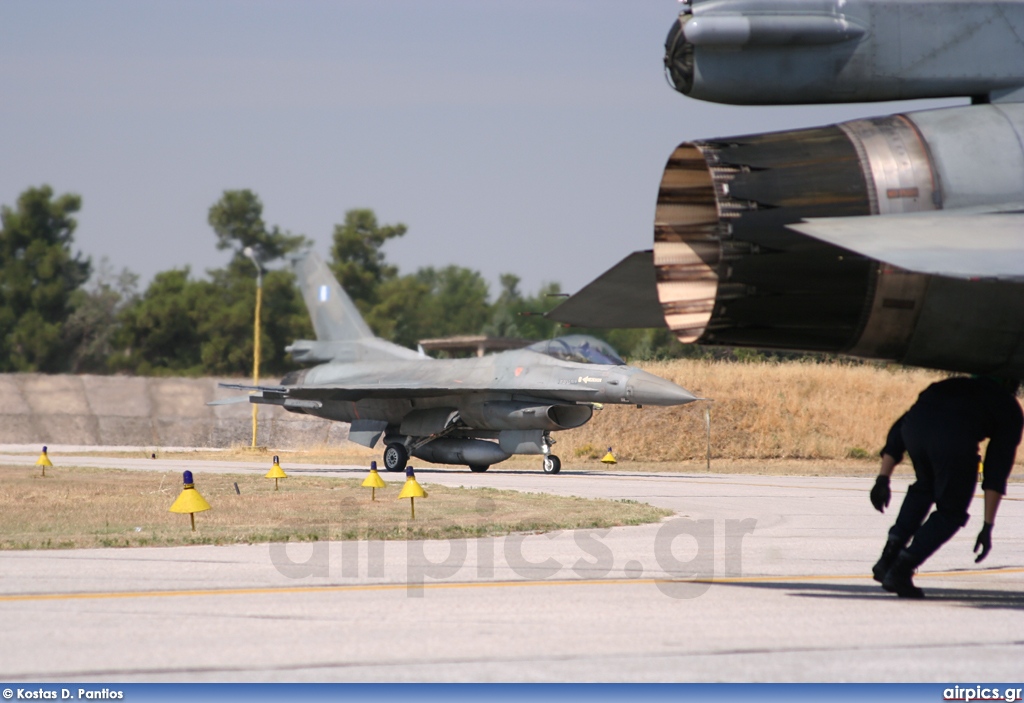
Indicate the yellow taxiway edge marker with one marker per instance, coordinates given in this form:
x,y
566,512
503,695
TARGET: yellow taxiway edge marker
x,y
471,584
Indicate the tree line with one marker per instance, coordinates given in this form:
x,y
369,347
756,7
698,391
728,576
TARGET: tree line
x,y
60,313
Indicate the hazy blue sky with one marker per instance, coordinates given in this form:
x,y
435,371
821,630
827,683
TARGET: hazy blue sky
x,y
525,136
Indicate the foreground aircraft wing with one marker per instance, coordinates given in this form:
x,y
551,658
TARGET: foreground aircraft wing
x,y
625,296
313,396
985,243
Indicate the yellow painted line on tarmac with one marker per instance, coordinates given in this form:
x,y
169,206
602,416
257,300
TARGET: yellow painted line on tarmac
x,y
468,585
850,577
317,589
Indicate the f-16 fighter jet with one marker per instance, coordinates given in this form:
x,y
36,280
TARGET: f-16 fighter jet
x,y
475,412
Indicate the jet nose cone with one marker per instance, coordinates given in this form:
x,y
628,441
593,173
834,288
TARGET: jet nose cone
x,y
647,389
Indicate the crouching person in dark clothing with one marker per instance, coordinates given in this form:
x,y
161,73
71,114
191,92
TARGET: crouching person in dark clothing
x,y
941,432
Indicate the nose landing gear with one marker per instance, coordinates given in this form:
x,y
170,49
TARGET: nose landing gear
x,y
552,464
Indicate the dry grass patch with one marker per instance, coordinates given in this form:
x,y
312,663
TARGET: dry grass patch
x,y
79,508
792,410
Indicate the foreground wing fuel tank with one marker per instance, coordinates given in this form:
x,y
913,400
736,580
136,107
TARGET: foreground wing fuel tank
x,y
770,52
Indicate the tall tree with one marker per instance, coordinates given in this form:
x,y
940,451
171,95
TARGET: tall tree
x,y
400,316
227,329
91,330
431,303
458,301
237,220
357,259
38,275
514,315
186,326
160,331
503,322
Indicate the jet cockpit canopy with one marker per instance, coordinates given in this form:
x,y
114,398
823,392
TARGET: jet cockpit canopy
x,y
581,348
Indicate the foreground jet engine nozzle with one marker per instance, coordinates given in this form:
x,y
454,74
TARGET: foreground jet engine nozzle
x,y
765,52
731,271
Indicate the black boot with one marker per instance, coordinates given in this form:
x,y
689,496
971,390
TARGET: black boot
x,y
888,558
899,578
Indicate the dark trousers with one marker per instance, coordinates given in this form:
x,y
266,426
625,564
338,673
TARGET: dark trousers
x,y
946,467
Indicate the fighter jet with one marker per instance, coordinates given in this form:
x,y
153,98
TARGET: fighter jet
x,y
474,412
898,237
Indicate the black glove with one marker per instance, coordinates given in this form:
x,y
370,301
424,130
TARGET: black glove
x,y
984,542
880,494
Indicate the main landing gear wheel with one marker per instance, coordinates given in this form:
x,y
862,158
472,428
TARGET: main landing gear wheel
x,y
479,468
396,456
552,464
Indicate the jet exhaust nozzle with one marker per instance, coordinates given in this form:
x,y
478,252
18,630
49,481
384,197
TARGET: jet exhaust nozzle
x,y
729,270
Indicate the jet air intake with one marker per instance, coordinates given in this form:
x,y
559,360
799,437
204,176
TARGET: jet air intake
x,y
729,271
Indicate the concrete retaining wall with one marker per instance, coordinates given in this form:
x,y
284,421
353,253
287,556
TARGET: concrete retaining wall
x,y
158,412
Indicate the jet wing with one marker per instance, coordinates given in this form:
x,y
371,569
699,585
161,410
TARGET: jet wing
x,y
625,296
313,396
985,243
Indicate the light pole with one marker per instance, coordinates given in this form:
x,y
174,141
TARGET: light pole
x,y
251,254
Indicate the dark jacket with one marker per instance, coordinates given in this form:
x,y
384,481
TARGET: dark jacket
x,y
966,410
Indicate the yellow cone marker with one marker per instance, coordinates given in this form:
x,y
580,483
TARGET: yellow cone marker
x,y
44,461
609,458
412,490
189,501
373,481
276,472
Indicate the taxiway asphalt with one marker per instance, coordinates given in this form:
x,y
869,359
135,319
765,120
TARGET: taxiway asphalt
x,y
755,578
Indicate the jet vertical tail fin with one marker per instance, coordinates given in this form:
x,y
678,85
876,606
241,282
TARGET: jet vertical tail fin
x,y
334,315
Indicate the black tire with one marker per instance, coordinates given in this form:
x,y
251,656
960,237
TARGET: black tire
x,y
479,468
396,456
552,464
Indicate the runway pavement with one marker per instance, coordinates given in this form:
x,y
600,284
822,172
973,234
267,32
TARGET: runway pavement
x,y
756,578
